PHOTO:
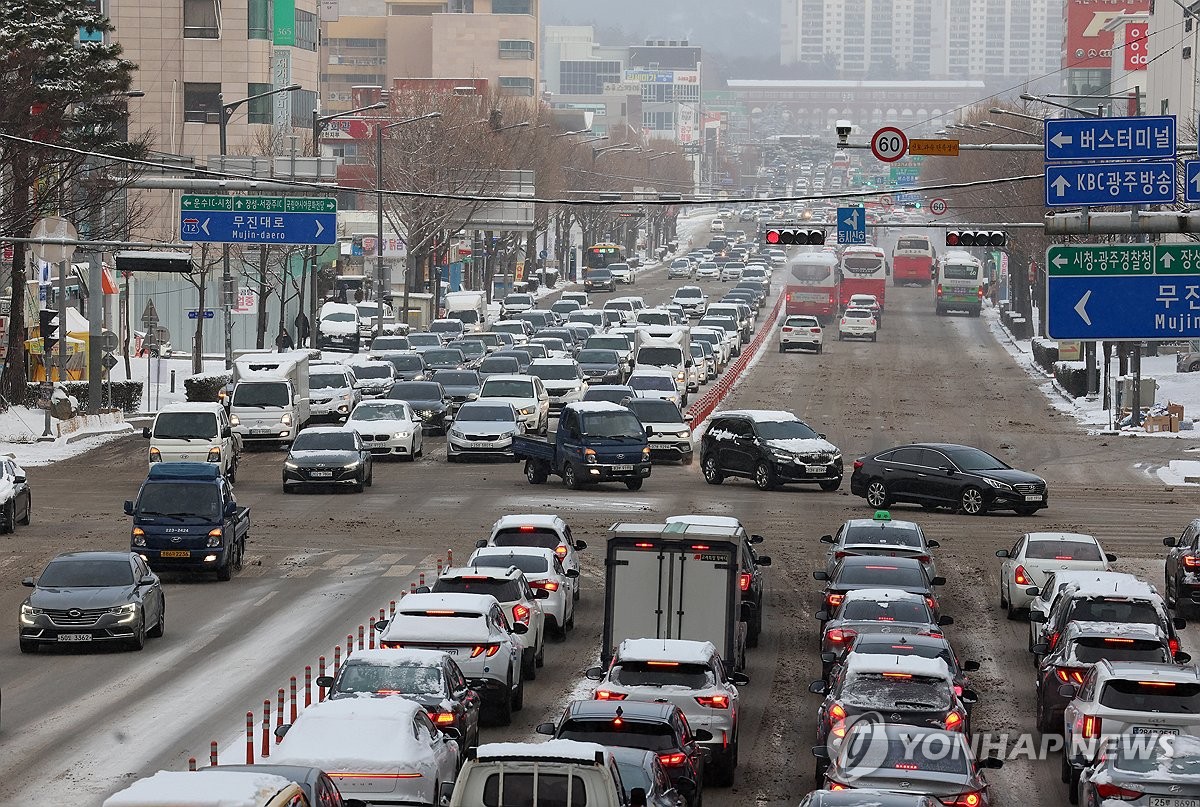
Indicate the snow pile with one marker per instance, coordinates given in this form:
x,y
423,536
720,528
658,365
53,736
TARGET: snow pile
x,y
1181,472
188,789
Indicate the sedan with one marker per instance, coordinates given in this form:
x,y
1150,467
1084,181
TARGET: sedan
x,y
428,400
498,365
643,769
407,366
1035,555
868,611
328,455
388,429
445,358
601,366
707,270
422,342
83,597
945,475
483,429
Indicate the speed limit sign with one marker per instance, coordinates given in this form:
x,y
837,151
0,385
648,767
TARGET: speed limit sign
x,y
889,144
937,207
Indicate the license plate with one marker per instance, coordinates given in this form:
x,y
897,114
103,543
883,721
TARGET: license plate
x,y
261,431
450,651
479,444
1170,801
1154,730
622,468
175,553
1033,498
74,637
814,469
321,474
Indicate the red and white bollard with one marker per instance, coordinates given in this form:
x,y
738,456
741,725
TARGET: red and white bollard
x,y
371,634
249,738
449,557
279,716
337,651
421,578
292,695
265,750
392,606
308,685
349,645
361,635
439,567
382,614
412,588
191,763
212,749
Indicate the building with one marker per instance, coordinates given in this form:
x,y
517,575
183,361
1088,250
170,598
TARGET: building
x,y
1172,77
495,40
573,63
1090,63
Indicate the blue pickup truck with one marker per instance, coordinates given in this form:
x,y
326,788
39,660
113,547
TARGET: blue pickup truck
x,y
596,441
186,518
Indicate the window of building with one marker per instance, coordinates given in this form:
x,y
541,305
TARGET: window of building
x,y
201,19
658,120
260,110
306,30
516,49
258,20
516,85
303,103
512,7
201,99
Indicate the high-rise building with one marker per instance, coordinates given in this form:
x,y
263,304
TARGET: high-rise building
x,y
1173,63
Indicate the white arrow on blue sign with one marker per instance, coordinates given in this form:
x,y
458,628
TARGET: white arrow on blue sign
x,y
851,225
1191,185
1111,183
208,314
1151,137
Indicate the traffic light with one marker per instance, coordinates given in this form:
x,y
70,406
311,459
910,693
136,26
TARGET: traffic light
x,y
48,327
795,235
976,238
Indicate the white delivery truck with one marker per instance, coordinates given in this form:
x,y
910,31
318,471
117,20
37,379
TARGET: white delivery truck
x,y
675,581
337,327
668,347
270,400
469,307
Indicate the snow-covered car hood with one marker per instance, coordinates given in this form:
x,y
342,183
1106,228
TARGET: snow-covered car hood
x,y
798,445
380,426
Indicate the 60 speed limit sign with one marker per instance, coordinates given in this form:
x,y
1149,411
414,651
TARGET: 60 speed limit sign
x,y
889,144
937,207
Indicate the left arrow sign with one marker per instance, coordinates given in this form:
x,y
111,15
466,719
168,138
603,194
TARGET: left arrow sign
x,y
1081,307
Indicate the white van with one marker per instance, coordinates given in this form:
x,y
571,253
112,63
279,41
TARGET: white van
x,y
553,772
194,432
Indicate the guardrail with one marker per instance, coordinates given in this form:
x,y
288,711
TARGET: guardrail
x,y
706,403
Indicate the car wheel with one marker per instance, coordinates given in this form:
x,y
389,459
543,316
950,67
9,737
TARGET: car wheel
x,y
1009,610
529,664
970,501
371,477
569,477
712,474
518,699
450,457
687,460
765,477
8,518
874,337
138,642
831,484
1003,598
725,767
877,494
782,349
535,472
504,708
225,570
161,627
633,484
360,485
1194,367
28,646
29,512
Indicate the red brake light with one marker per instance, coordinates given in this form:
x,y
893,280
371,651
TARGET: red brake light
x,y
545,585
1063,557
1110,791
521,613
671,760
858,464
606,695
560,550
744,581
907,766
644,545
787,329
834,600
443,718
939,290
921,558
1112,640
904,676
954,721
1070,675
1174,645
980,292
1020,577
814,330
487,650
1191,561
838,786
966,800
526,529
931,602
714,701
700,547
841,635
1091,727
837,712
662,663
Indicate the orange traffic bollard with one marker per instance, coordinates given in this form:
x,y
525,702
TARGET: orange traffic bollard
x,y
249,738
266,730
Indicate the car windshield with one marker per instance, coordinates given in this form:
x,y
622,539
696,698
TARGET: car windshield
x,y
507,388
200,500
375,369
626,733
654,318
324,441
261,394
404,363
509,327
858,313
537,351
555,372
688,293
527,536
887,575
662,674
518,299
660,356
785,430
443,357
802,322
503,590
381,411
486,413
416,391
1063,550
530,564
617,395
328,381
652,382
1165,697
1090,649
597,356
869,610
526,788
499,364
915,244
382,343
896,689
80,573
550,343
897,646
456,378
185,425
972,459
393,679
649,410
1114,609
470,348
882,535
424,340
613,425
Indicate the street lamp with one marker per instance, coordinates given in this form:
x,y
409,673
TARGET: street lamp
x,y
520,125
576,132
592,140
227,111
660,156
998,111
379,130
987,124
318,123
1041,100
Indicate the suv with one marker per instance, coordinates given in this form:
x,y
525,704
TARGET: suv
x,y
864,571
690,675
599,280
543,570
512,591
801,331
563,379
537,529
692,300
769,447
680,267
1183,569
514,304
332,392
622,273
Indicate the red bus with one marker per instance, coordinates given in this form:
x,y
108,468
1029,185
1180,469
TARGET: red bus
x,y
864,271
812,287
912,260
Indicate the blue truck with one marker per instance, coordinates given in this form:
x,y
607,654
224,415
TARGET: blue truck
x,y
186,518
596,441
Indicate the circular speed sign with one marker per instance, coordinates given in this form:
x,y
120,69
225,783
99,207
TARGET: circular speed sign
x,y
889,144
937,207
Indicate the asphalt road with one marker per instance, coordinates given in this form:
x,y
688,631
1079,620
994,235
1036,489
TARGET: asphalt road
x,y
78,725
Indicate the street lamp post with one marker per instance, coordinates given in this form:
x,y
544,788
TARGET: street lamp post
x,y
987,124
1042,100
998,111
227,110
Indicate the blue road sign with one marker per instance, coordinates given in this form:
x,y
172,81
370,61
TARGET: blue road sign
x,y
851,225
1079,139
208,314
1191,170
1115,183
231,227
1114,308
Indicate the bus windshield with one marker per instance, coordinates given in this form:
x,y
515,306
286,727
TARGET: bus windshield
x,y
601,255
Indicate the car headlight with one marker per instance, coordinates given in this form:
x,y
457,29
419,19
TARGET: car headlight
x,y
684,434
28,612
527,410
781,455
291,466
646,454
997,484
352,465
234,420
402,435
472,396
125,613
286,420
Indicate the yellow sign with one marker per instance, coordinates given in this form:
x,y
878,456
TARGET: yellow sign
x,y
933,148
1070,351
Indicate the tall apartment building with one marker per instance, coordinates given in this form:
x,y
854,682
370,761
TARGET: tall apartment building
x,y
990,40
495,40
1173,70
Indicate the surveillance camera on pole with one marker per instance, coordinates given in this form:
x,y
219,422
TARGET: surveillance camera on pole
x,y
844,127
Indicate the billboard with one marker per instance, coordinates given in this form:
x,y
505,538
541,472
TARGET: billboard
x,y
1087,45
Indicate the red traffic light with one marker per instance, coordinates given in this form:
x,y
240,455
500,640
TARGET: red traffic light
x,y
772,236
976,238
795,235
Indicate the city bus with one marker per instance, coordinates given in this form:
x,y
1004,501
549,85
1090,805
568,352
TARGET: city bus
x,y
599,256
863,271
912,259
812,285
960,281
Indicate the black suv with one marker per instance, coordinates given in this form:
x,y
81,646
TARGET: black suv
x,y
945,475
769,447
428,400
1183,569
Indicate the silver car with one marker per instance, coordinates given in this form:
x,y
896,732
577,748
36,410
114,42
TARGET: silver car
x,y
1145,771
483,429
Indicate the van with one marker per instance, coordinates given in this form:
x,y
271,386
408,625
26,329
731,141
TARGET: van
x,y
958,285
194,432
553,773
214,789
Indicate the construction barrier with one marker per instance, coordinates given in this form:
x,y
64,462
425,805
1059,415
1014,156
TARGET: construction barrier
x,y
710,400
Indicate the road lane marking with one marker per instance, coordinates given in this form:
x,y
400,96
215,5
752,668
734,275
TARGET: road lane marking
x,y
269,595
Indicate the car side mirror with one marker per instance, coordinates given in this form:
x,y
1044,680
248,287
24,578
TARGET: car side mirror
x,y
280,731
580,545
545,728
933,544
1067,691
827,539
128,507
382,624
818,687
637,797
1170,541
687,419
594,673
757,539
820,751
450,733
970,665
146,432
740,679
947,471
520,629
230,508
945,620
820,575
1179,623
1037,616
1110,557
821,616
148,580
481,543
1183,658
422,590
227,432
969,696
702,735
1033,591
445,794
325,681
571,573
29,582
541,594
764,560
938,581
1002,553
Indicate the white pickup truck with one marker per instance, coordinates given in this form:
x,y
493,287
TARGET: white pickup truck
x,y
533,773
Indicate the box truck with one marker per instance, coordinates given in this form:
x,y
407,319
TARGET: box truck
x,y
270,399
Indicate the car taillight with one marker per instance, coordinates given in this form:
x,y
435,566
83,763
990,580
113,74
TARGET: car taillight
x,y
1052,640
834,600
837,720
487,650
561,551
931,602
521,613
939,290
714,701
843,320
973,799
840,554
838,786
672,760
744,581
1191,561
786,329
1173,644
921,558
872,320
954,721
841,635
814,330
608,695
1070,675
1110,791
858,464
1020,577
1090,727
442,718
545,585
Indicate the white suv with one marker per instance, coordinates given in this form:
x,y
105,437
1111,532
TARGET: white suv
x,y
858,323
544,571
691,299
527,395
519,601
564,381
537,529
801,331
690,675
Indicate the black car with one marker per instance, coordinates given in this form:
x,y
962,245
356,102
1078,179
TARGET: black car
x,y
409,366
18,507
429,400
429,677
460,385
473,349
946,475
445,358
316,784
93,597
658,727
865,571
599,280
328,455
769,447
601,366
1183,570
524,357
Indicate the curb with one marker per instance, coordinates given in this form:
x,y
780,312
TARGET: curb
x,y
123,428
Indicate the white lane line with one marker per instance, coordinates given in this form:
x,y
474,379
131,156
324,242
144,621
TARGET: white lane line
x,y
270,594
338,560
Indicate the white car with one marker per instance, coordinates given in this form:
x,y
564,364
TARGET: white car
x,y
858,323
381,750
514,304
472,628
536,529
332,392
692,300
580,297
372,378
716,226
777,256
668,430
868,301
622,273
690,675
526,393
1036,554
716,338
483,428
563,379
707,270
388,428
731,271
652,382
543,570
801,331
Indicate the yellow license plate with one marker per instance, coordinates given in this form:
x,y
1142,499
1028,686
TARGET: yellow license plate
x,y
175,553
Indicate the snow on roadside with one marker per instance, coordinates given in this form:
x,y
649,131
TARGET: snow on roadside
x,y
1181,472
20,428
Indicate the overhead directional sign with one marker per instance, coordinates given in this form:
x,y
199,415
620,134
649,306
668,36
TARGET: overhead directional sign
x,y
1110,183
1123,291
851,225
1191,185
1077,139
285,220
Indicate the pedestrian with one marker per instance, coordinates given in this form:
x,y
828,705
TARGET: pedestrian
x,y
284,340
302,328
